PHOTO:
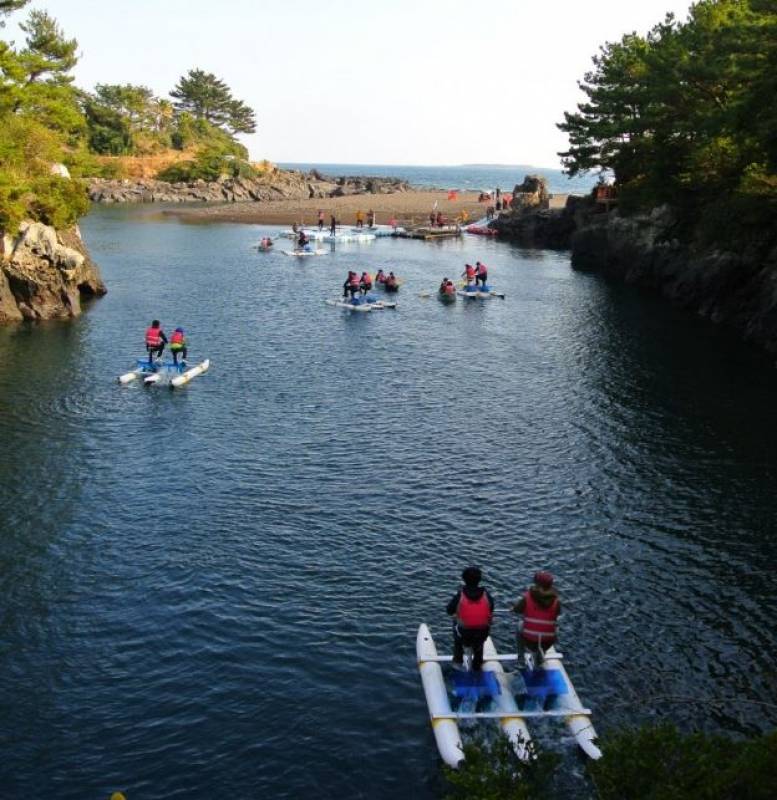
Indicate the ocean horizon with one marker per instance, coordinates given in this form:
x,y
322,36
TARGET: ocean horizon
x,y
465,177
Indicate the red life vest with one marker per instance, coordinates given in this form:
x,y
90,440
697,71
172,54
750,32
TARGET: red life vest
x,y
474,613
354,280
470,271
153,337
177,338
539,624
450,288
482,270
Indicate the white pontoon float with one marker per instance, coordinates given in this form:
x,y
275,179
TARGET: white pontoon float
x,y
503,706
163,372
362,304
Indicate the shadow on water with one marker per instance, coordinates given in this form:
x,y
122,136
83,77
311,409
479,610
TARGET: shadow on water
x,y
216,591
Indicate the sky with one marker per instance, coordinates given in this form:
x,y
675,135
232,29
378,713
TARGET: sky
x,y
397,82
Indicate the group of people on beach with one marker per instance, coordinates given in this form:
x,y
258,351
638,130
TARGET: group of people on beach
x,y
472,608
156,341
355,283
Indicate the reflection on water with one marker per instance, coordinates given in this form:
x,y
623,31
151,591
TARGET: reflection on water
x,y
215,591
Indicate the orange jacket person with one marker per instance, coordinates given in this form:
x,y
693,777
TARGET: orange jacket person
x,y
178,345
155,340
540,606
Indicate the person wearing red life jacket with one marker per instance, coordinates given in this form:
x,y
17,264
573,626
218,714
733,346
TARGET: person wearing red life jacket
x,y
178,345
365,282
540,607
155,341
481,273
469,273
380,277
472,607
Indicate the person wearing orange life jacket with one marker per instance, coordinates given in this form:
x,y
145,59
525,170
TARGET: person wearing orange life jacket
x,y
469,273
155,341
391,283
380,277
365,282
540,607
481,273
178,344
472,607
351,284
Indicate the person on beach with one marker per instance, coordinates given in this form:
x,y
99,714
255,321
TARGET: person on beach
x,y
320,219
155,341
540,606
365,282
178,345
481,274
380,277
332,225
438,219
472,608
469,273
370,219
431,218
351,285
359,219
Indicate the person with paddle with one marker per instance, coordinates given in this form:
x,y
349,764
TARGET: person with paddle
x,y
472,607
540,607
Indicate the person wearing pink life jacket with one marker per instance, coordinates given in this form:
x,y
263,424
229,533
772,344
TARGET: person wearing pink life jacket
x,y
380,277
472,608
481,273
365,282
178,344
540,607
469,273
155,341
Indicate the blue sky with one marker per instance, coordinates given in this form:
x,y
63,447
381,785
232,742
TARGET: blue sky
x,y
397,82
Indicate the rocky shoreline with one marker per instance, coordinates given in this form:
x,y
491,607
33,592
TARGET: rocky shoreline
x,y
267,187
45,274
734,286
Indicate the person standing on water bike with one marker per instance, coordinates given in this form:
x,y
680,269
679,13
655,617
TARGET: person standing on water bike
x,y
178,345
540,607
155,341
351,284
481,273
469,273
472,607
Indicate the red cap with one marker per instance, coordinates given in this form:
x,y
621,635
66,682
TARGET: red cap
x,y
543,579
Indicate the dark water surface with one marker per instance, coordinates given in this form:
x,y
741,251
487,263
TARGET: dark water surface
x,y
215,592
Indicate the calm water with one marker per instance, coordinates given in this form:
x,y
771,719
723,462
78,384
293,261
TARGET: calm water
x,y
215,592
484,177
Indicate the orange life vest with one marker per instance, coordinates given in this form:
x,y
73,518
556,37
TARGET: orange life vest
x,y
539,624
153,337
470,271
474,613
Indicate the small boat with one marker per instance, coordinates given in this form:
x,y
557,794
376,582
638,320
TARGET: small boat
x,y
472,292
183,379
548,686
480,228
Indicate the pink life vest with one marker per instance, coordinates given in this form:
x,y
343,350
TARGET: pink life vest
x,y
539,624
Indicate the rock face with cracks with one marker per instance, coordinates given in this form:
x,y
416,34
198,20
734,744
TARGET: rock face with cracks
x,y
44,273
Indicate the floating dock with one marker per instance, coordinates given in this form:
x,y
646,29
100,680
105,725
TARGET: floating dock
x,y
427,232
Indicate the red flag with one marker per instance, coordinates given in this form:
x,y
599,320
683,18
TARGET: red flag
x,y
453,195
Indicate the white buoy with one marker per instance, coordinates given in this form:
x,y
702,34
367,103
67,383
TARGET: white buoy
x,y
182,380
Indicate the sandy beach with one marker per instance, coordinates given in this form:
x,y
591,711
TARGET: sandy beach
x,y
407,207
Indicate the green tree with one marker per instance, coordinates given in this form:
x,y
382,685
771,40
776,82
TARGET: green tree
x,y
206,97
8,7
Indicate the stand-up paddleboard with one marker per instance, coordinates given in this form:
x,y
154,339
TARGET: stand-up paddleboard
x,y
182,380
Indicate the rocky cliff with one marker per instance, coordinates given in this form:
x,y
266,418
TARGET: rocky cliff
x,y
276,185
735,285
44,274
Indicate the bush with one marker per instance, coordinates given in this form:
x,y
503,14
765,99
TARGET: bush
x,y
492,771
659,763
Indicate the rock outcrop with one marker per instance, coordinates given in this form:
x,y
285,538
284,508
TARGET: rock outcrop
x,y
277,185
532,193
735,286
44,273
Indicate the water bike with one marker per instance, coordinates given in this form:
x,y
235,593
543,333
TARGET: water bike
x,y
304,252
165,372
545,692
474,292
368,302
